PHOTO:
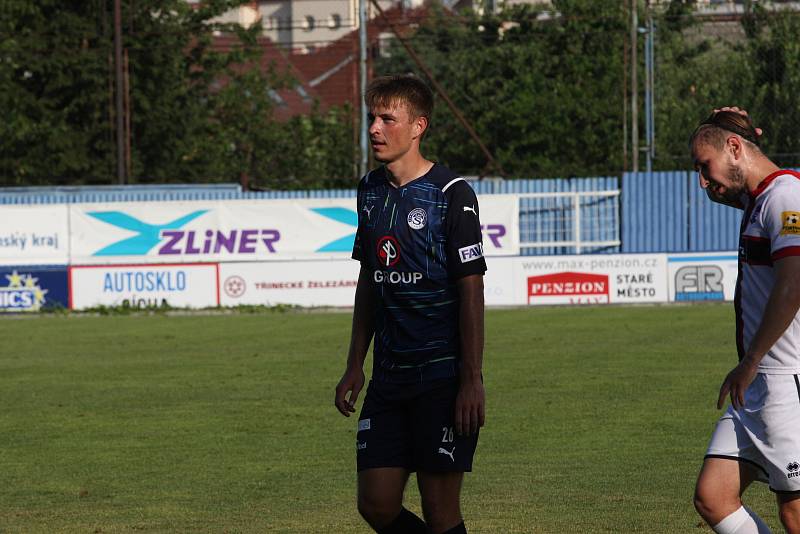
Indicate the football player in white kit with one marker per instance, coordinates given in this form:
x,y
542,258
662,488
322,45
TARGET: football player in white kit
x,y
758,437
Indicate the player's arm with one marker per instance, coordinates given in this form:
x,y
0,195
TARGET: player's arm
x,y
471,400
360,337
782,306
466,266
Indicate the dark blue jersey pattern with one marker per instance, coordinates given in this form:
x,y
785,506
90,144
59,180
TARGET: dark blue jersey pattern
x,y
416,242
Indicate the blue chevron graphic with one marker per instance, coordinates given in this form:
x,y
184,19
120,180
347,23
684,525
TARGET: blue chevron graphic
x,y
149,234
344,216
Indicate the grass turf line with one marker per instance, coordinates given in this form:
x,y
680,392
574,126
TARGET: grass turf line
x,y
597,421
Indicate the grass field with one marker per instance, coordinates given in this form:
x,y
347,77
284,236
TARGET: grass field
x,y
597,421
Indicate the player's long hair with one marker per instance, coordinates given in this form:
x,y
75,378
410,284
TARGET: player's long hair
x,y
716,128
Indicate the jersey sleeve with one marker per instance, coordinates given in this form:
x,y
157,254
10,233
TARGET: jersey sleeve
x,y
463,229
782,220
358,252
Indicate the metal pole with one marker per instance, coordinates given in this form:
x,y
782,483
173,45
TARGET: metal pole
x,y
648,93
127,107
625,104
576,205
119,104
652,141
634,89
362,42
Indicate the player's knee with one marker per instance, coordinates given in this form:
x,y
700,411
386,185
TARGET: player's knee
x,y
707,503
376,511
701,503
440,514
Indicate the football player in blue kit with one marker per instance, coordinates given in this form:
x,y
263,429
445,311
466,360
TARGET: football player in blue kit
x,y
419,299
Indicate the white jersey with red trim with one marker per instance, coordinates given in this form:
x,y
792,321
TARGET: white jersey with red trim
x,y
770,231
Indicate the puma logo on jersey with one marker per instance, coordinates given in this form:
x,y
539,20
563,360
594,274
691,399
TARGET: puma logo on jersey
x,y
444,451
471,208
368,211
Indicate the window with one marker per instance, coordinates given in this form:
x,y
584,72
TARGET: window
x,y
335,21
309,23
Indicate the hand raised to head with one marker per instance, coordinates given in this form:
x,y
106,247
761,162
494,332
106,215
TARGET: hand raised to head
x,y
742,112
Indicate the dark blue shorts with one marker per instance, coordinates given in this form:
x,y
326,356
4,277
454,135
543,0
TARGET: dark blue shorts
x,y
411,426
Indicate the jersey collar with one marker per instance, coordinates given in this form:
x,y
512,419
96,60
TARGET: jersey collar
x,y
768,180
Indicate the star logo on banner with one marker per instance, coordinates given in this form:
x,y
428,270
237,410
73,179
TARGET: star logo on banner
x,y
14,279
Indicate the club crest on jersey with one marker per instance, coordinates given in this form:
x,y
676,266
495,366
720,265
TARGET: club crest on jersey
x,y
417,218
470,253
791,223
388,251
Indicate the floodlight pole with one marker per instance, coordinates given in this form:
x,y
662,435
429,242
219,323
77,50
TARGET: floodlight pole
x,y
120,111
634,88
362,46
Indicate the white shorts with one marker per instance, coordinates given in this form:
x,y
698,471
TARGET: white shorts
x,y
764,433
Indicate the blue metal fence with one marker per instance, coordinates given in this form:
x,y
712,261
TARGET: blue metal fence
x,y
669,212
117,193
658,212
135,193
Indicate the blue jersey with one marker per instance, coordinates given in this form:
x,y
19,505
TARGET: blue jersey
x,y
417,241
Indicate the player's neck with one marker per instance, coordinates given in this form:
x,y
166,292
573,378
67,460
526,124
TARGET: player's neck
x,y
760,169
408,168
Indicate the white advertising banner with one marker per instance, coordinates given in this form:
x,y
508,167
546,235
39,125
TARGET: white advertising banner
x,y
595,279
297,283
326,283
498,282
34,235
244,230
232,230
500,224
140,286
702,277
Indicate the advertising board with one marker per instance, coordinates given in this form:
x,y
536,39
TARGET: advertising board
x,y
702,277
143,286
34,235
33,288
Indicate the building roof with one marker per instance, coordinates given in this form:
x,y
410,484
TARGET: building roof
x,y
289,101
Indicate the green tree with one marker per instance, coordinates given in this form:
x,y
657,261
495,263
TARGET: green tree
x,y
698,67
200,112
772,55
543,92
53,92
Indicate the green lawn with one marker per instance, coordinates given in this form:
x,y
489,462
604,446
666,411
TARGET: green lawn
x,y
597,421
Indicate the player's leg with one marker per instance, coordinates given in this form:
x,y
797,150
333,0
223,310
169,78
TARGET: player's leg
x,y
441,457
718,495
441,494
781,410
383,454
733,461
380,501
789,507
